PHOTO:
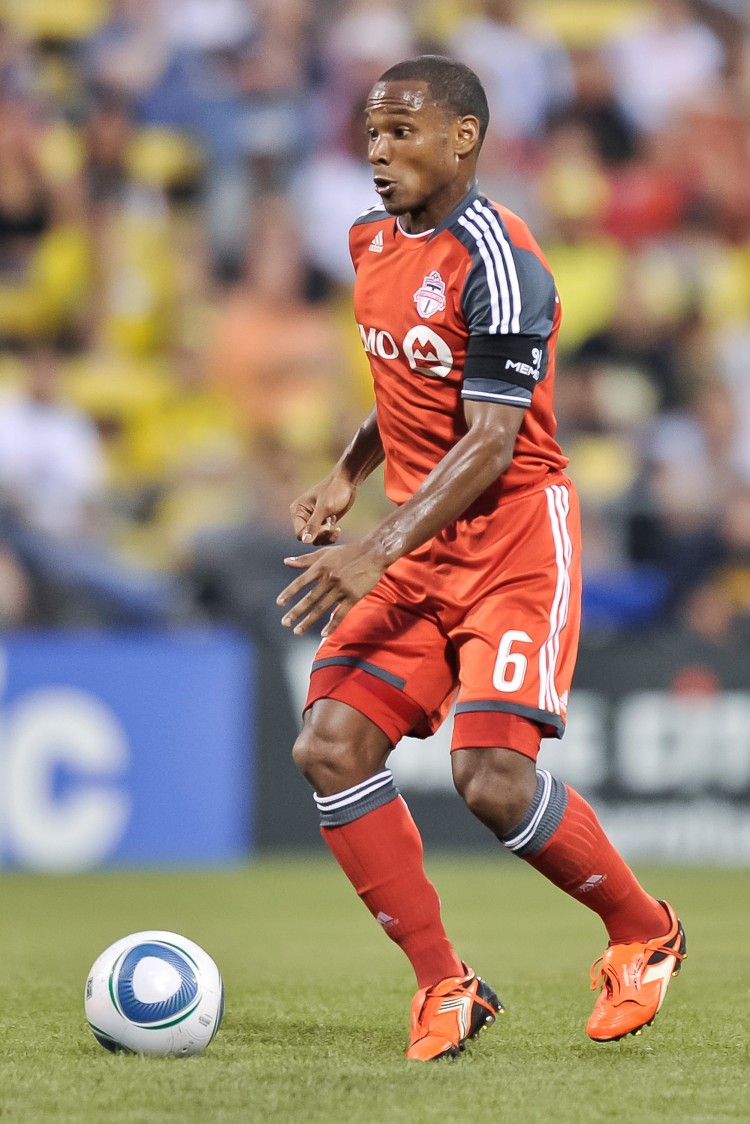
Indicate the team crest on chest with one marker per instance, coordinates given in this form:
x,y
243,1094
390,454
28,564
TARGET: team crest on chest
x,y
430,297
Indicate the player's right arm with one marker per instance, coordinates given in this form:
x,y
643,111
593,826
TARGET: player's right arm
x,y
316,513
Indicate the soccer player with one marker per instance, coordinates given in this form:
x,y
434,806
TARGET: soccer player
x,y
469,591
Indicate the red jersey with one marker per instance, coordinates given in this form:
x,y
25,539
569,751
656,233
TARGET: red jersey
x,y
466,311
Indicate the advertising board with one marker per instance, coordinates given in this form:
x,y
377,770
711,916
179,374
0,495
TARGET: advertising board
x,y
658,738
131,749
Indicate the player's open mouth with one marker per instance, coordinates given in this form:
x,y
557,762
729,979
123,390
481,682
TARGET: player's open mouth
x,y
382,186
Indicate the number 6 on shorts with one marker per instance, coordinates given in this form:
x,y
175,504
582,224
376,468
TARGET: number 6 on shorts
x,y
508,661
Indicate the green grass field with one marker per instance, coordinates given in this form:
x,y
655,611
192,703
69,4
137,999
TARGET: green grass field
x,y
318,998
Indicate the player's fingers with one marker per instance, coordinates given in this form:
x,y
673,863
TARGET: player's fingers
x,y
336,618
300,514
307,611
300,562
328,536
318,528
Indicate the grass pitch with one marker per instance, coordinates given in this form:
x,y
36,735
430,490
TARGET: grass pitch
x,y
318,998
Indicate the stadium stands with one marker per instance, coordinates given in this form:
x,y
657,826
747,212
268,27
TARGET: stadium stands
x,y
150,150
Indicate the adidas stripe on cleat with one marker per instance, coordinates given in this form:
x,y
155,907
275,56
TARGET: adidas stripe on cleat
x,y
634,978
445,1016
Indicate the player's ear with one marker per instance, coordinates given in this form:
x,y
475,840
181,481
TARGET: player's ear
x,y
467,135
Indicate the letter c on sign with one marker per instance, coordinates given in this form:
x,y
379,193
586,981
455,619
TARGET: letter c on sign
x,y
70,728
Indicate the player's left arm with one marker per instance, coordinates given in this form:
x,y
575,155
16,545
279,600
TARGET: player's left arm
x,y
340,576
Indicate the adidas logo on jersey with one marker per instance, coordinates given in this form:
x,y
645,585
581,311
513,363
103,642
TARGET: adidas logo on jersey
x,y
376,246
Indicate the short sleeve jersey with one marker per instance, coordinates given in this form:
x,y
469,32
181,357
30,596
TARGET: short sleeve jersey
x,y
466,311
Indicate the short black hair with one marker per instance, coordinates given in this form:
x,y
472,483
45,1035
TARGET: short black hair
x,y
453,85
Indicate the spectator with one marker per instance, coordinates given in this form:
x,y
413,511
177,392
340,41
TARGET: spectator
x,y
208,25
640,343
51,464
255,121
131,57
324,216
44,252
193,459
363,40
734,573
235,572
662,62
594,105
278,356
52,493
15,593
706,150
690,470
137,273
525,70
573,187
16,64
106,136
731,353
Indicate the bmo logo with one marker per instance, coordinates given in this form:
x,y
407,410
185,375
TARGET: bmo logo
x,y
424,350
428,352
378,342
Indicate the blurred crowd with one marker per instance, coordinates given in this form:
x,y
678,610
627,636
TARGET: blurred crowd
x,y
178,354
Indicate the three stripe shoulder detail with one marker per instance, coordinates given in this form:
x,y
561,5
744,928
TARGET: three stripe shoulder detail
x,y
489,239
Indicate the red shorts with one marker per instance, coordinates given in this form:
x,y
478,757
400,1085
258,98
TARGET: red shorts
x,y
485,615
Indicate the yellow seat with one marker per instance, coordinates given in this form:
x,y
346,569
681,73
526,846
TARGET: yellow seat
x,y
603,466
112,385
53,292
118,393
56,19
11,372
161,157
579,23
590,275
585,23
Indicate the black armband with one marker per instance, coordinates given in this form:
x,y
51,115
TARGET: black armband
x,y
519,361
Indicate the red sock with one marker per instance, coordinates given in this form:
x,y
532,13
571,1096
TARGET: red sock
x,y
580,859
381,854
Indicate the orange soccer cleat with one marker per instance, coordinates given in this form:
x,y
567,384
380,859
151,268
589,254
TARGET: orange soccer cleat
x,y
634,979
446,1015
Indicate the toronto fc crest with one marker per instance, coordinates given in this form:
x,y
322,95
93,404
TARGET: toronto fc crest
x,y
430,297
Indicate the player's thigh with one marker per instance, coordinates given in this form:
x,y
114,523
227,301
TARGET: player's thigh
x,y
389,662
517,647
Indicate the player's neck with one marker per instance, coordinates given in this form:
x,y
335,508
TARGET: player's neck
x,y
428,218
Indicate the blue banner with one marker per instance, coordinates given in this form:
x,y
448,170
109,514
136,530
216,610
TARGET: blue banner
x,y
125,748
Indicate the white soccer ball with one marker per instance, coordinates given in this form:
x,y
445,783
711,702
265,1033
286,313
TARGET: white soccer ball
x,y
154,993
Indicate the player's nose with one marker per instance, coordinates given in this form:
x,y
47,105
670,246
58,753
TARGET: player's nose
x,y
379,151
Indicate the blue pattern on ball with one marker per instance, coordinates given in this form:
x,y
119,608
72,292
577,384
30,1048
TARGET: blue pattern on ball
x,y
145,1013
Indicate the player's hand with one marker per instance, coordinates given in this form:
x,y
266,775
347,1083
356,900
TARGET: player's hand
x,y
340,576
316,513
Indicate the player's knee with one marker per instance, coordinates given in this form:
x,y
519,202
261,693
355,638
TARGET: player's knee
x,y
317,754
333,753
497,785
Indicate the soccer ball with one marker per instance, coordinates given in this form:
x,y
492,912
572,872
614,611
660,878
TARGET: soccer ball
x,y
154,993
